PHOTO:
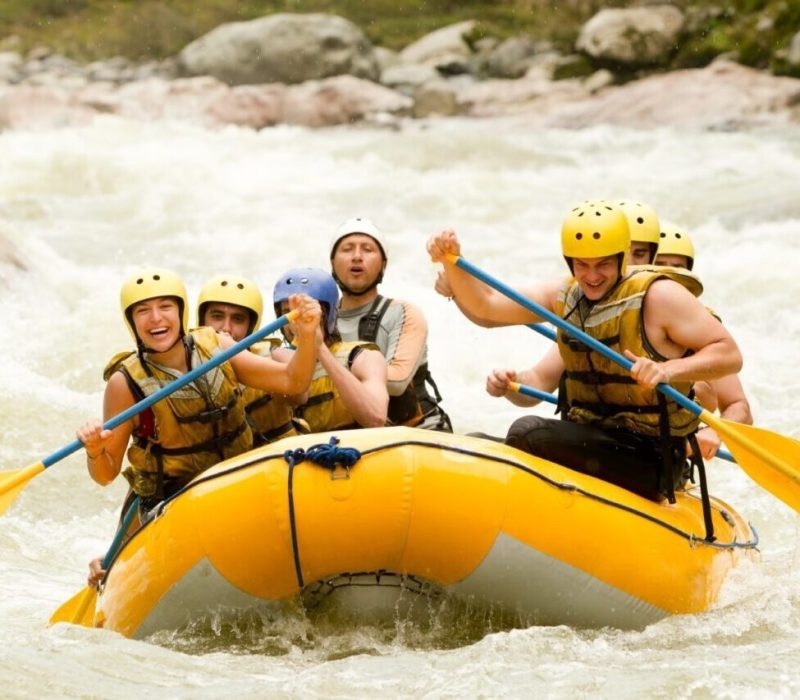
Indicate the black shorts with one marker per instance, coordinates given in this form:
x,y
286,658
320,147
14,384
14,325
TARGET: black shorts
x,y
630,460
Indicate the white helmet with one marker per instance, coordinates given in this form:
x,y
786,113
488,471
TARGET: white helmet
x,y
360,224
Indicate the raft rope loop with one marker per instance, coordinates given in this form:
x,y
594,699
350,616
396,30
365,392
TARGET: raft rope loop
x,y
326,455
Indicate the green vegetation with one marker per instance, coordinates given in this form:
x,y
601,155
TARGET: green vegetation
x,y
753,30
142,29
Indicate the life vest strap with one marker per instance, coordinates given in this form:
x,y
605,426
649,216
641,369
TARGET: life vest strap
x,y
599,378
272,433
211,445
260,402
212,415
603,410
579,346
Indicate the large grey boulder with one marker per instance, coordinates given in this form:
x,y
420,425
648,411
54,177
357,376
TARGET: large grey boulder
x,y
282,48
441,46
636,36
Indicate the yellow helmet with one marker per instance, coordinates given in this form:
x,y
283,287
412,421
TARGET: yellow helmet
x,y
232,289
595,229
149,284
676,241
643,224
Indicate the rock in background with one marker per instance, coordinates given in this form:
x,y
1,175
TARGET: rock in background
x,y
321,70
283,48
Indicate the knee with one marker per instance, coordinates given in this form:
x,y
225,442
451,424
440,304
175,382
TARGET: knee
x,y
523,431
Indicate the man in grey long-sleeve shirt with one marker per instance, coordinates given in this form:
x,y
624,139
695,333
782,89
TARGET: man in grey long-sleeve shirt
x,y
358,260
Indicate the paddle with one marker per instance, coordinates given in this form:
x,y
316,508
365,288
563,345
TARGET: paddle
x,y
752,447
12,482
79,610
549,398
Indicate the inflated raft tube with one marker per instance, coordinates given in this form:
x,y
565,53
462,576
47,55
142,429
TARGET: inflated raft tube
x,y
421,513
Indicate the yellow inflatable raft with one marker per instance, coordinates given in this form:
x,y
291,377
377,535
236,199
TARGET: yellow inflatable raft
x,y
424,512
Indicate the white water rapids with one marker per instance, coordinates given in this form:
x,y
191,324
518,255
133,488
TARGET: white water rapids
x,y
85,206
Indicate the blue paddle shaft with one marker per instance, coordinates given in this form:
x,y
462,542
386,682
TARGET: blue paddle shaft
x,y
546,331
121,532
537,394
172,387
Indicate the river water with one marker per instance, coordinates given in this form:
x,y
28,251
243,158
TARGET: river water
x,y
84,206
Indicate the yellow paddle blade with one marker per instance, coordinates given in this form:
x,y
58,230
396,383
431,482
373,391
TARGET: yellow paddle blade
x,y
770,459
78,610
11,483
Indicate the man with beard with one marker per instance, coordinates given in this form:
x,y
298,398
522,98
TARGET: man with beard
x,y
358,260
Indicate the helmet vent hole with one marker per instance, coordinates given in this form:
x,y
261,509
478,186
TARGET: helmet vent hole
x,y
224,283
677,235
578,236
156,277
596,235
140,281
597,213
663,235
639,220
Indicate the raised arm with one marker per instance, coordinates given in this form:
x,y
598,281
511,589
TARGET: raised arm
x,y
479,302
294,376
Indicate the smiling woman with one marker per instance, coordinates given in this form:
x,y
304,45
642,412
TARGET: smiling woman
x,y
202,423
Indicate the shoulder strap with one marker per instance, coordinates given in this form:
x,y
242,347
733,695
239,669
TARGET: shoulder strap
x,y
354,353
370,322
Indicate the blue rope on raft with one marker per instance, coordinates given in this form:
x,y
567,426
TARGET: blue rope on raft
x,y
327,455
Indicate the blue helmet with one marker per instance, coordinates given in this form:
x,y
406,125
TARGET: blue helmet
x,y
312,281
